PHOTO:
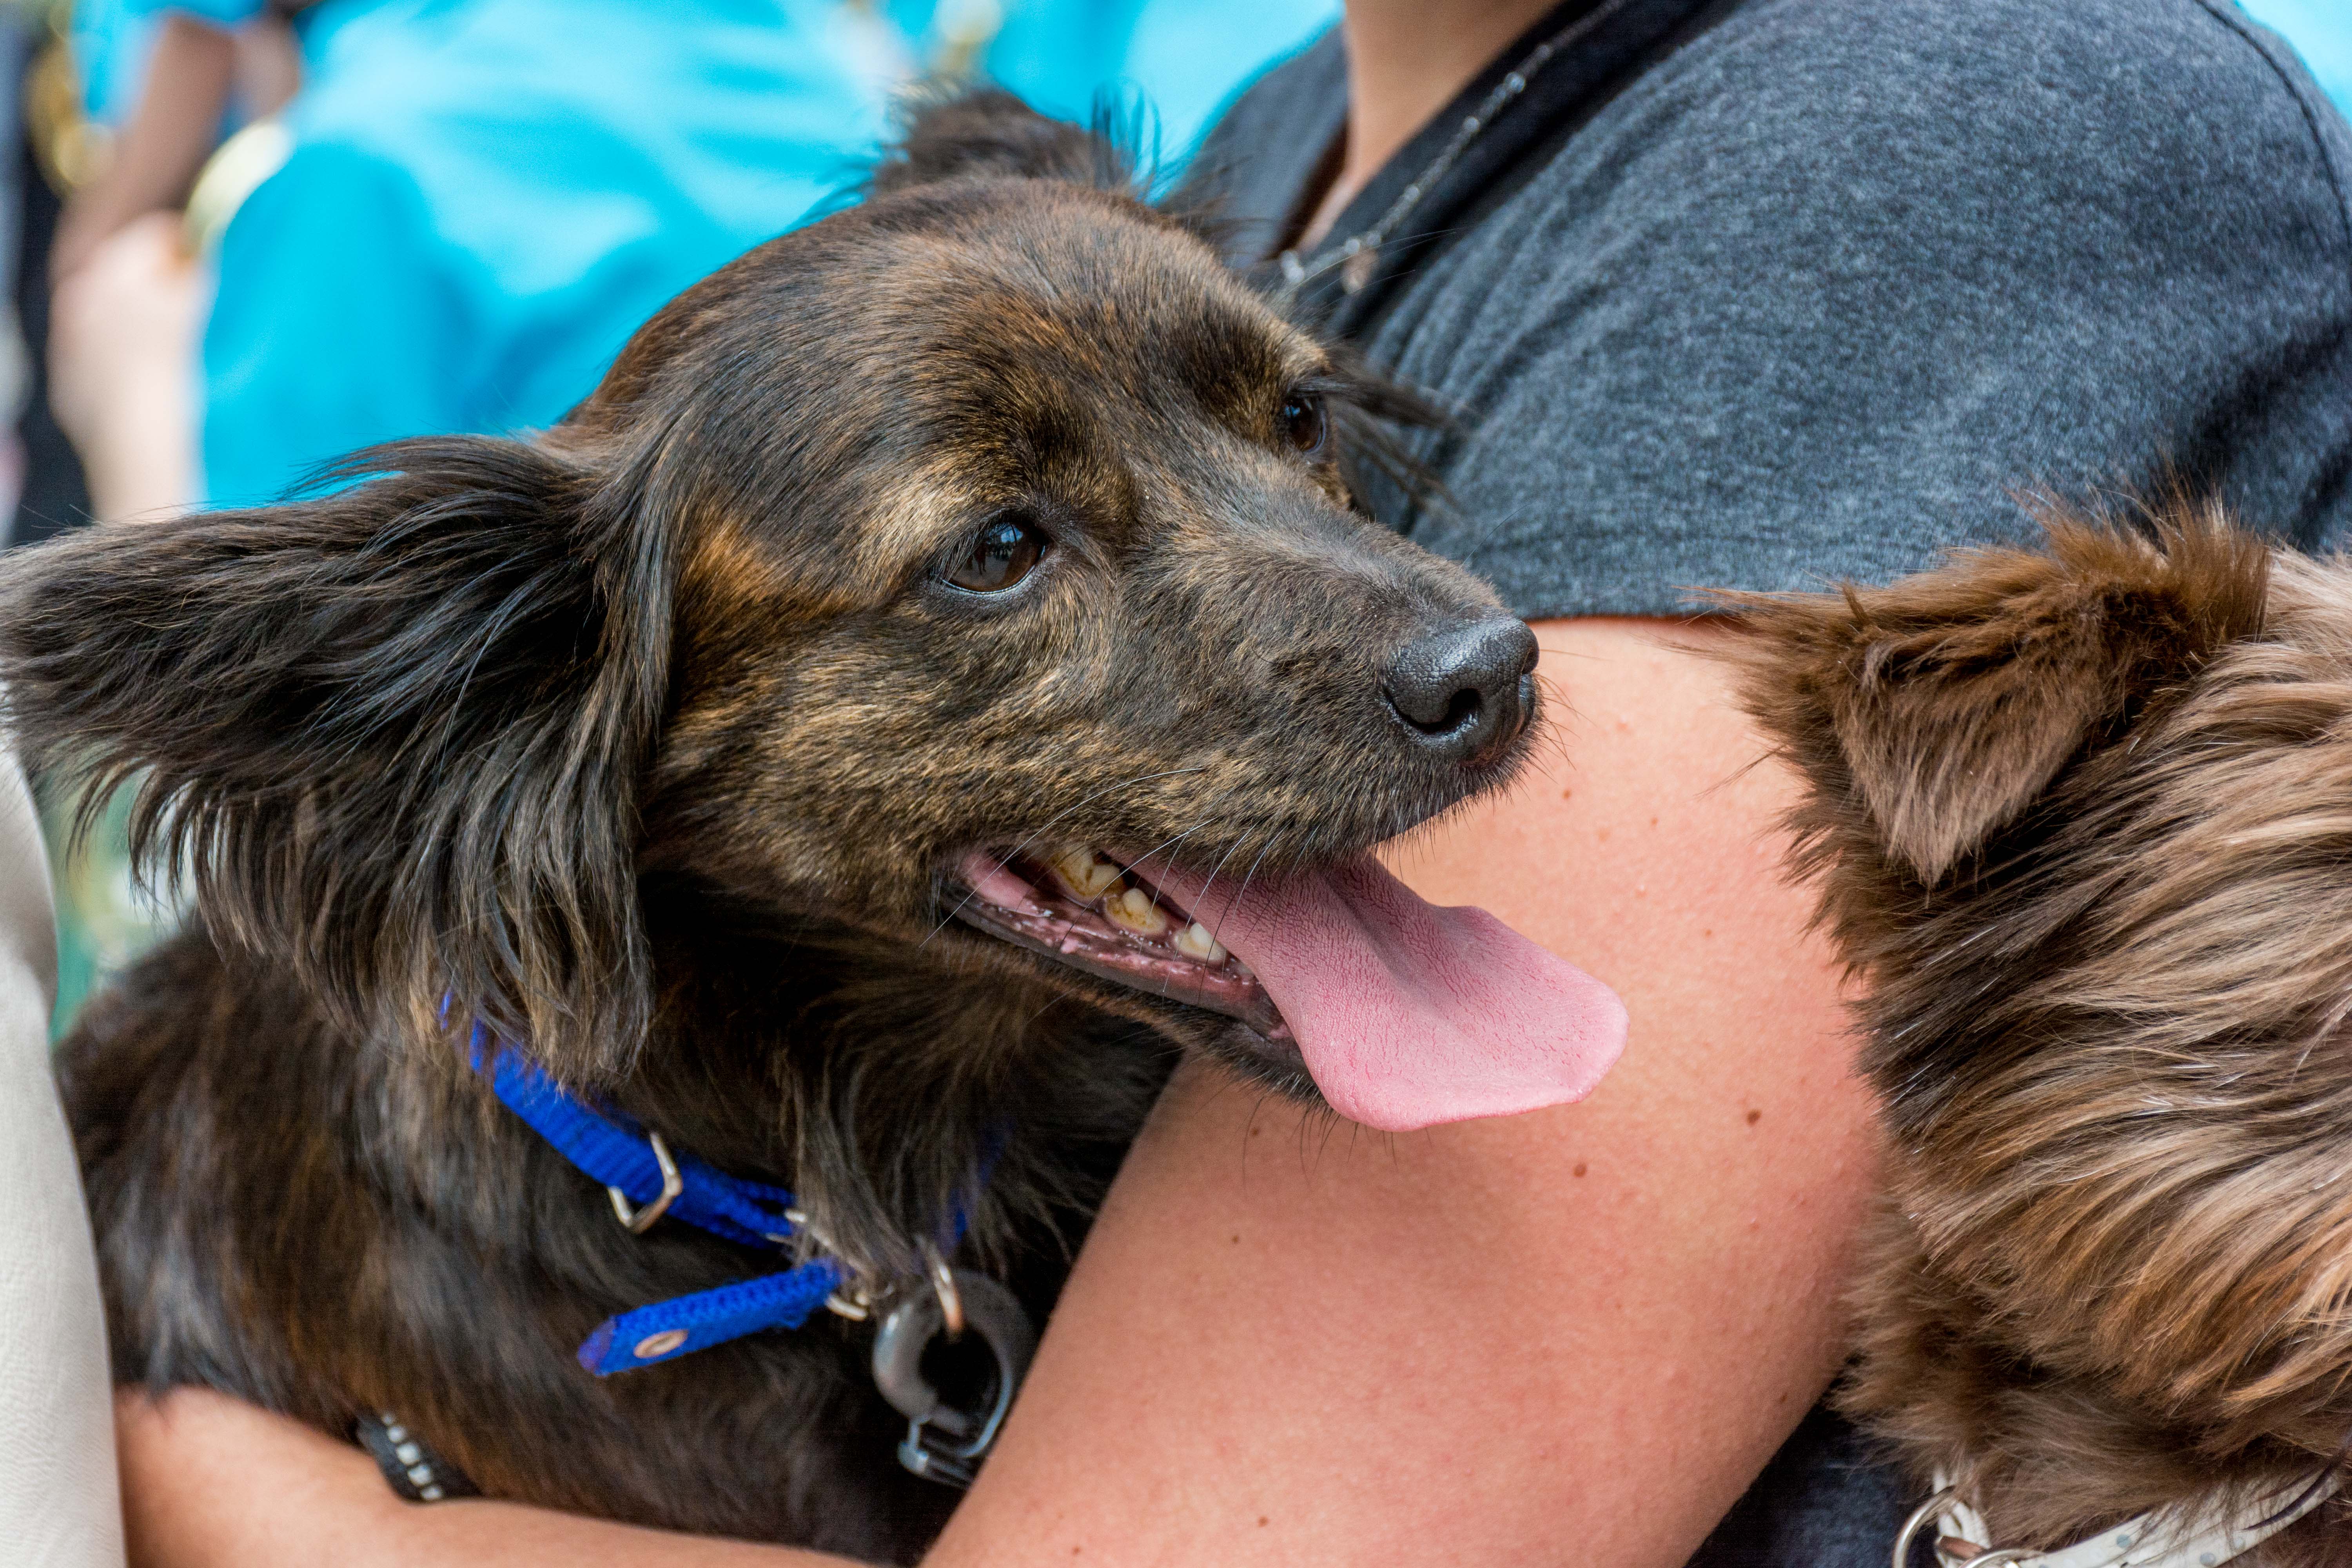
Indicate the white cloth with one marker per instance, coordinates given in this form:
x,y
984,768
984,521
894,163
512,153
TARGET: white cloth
x,y
59,1503
2196,1537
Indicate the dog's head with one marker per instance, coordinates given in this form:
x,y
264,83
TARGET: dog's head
x,y
970,553
2082,821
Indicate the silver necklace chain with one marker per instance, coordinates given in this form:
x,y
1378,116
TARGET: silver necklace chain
x,y
1360,252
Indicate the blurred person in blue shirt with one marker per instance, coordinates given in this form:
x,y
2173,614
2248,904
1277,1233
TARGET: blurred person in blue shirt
x,y
475,201
482,199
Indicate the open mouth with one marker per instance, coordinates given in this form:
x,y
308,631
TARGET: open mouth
x,y
1082,907
1403,1014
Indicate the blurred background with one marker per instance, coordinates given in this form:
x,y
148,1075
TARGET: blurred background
x,y
245,237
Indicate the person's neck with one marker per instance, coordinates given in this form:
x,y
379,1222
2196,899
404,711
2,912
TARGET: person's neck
x,y
1406,60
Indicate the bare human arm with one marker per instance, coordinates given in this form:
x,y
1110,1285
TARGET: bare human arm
x,y
1570,1336
125,331
206,1480
191,69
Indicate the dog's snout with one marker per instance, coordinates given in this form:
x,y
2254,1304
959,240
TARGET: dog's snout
x,y
1466,690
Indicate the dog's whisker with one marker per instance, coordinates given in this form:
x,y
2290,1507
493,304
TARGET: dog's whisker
x,y
1218,870
1243,892
1164,844
1164,987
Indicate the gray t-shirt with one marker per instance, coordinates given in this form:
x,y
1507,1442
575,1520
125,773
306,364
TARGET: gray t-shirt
x,y
1764,293
1758,295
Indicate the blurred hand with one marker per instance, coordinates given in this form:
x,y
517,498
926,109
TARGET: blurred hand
x,y
213,1482
190,1465
123,333
191,67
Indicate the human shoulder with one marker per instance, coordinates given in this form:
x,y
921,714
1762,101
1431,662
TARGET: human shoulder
x,y
2132,98
2085,158
2082,44
1827,286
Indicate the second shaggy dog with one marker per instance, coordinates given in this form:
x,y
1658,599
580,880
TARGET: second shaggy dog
x,y
2083,819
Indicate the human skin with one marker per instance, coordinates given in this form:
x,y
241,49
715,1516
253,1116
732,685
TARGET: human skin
x,y
124,330
1406,60
190,72
207,1480
1570,1335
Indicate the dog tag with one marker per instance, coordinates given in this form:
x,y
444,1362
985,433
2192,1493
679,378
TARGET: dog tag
x,y
944,1443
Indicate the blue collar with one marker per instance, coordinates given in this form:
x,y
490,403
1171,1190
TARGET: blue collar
x,y
647,1182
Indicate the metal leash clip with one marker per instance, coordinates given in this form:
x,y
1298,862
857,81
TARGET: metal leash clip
x,y
945,1444
854,1300
1951,1552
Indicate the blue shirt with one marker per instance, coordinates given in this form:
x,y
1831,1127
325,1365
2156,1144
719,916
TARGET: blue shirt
x,y
486,198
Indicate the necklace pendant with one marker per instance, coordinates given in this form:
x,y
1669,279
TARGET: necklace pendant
x,y
1359,269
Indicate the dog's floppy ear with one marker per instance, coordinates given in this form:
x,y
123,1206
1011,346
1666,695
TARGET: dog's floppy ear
x,y
1941,706
393,734
989,131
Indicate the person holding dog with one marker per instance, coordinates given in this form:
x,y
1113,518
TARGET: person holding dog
x,y
1722,294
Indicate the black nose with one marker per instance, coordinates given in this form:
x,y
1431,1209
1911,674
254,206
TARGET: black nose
x,y
1466,690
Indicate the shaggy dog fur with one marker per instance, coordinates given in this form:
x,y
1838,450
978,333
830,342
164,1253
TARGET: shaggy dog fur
x,y
2082,817
654,742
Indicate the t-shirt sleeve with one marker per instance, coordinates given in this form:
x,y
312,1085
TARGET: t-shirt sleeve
x,y
1836,286
340,320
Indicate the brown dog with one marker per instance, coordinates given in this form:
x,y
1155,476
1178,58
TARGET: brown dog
x,y
981,552
2083,819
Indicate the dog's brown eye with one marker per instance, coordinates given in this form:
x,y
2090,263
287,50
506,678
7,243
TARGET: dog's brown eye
x,y
1007,550
1303,423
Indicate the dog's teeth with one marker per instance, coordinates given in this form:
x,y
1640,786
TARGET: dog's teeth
x,y
1084,874
1194,941
1134,910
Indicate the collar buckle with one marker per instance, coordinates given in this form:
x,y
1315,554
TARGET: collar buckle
x,y
639,1220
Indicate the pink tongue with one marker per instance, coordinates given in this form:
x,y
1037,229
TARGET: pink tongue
x,y
1408,1014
